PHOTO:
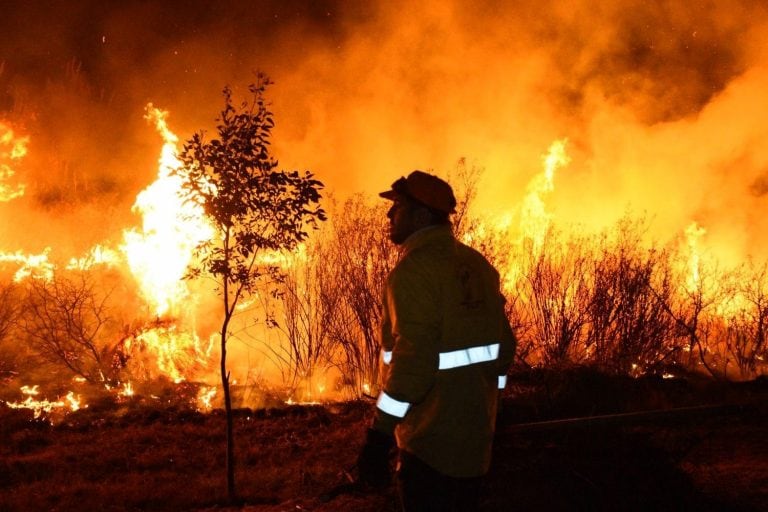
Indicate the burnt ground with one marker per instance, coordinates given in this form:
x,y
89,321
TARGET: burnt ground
x,y
647,444
702,447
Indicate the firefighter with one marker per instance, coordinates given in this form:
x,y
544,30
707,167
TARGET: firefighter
x,y
446,348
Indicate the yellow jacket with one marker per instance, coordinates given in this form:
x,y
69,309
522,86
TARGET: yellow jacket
x,y
446,348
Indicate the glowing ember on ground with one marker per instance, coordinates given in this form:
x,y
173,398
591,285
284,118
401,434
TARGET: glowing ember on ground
x,y
291,401
126,391
70,403
205,397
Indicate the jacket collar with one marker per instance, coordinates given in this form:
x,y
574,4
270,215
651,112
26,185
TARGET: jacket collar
x,y
426,236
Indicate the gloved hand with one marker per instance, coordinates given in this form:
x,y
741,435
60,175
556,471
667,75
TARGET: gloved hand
x,y
373,462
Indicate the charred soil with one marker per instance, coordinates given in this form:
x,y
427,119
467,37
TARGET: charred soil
x,y
647,444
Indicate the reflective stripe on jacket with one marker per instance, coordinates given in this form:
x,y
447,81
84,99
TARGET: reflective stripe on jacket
x,y
446,348
461,358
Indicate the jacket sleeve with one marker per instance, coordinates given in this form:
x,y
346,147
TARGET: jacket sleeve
x,y
508,345
414,309
507,339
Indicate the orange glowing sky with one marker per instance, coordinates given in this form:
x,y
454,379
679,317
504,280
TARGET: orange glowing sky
x,y
662,103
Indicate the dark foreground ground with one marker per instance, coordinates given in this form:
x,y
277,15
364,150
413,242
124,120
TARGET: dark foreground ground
x,y
138,456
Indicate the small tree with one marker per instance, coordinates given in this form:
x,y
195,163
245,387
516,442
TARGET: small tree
x,y
254,208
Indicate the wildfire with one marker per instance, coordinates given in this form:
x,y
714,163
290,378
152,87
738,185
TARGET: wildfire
x,y
205,398
126,391
160,253
176,354
39,266
98,255
693,234
12,148
31,265
534,219
70,403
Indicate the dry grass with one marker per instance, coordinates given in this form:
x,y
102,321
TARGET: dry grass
x,y
150,459
137,456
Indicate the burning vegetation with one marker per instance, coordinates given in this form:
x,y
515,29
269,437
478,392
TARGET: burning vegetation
x,y
614,172
613,299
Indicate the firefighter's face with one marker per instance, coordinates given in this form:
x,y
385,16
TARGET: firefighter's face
x,y
405,218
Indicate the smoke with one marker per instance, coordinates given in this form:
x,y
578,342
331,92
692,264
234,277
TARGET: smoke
x,y
659,101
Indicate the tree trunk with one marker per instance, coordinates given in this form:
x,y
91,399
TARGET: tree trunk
x,y
230,459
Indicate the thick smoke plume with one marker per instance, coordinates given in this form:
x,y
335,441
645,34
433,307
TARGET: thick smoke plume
x,y
661,102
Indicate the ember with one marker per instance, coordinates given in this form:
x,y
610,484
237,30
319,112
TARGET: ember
x,y
44,407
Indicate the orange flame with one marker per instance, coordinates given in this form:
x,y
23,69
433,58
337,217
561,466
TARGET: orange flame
x,y
160,253
693,234
205,398
176,354
11,148
32,265
126,390
534,219
97,255
70,403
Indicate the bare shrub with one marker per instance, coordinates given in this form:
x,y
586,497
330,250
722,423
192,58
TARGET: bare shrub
x,y
9,309
747,322
629,328
304,311
464,182
67,322
698,291
357,260
557,290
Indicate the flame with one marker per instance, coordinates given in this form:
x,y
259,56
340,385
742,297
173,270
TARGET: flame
x,y
74,402
176,354
693,234
160,253
205,397
534,219
70,403
97,255
12,148
32,265
39,266
126,390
